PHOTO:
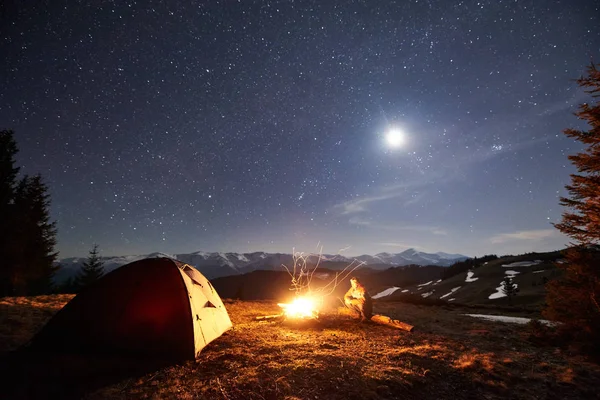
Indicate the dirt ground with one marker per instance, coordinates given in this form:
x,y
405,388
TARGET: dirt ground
x,y
448,355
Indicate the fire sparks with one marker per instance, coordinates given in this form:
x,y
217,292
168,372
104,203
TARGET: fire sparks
x,y
309,300
301,307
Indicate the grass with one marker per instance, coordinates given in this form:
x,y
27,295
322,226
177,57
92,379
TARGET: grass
x,y
21,317
449,355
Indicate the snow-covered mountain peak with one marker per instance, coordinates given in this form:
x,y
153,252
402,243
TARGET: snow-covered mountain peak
x,y
410,252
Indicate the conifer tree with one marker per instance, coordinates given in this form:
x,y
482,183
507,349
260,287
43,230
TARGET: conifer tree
x,y
28,237
509,288
8,182
92,269
34,239
574,298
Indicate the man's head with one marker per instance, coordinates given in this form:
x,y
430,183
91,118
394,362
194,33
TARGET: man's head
x,y
354,281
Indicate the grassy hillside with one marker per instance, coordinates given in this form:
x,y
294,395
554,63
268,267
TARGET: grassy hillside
x,y
269,285
485,279
474,287
449,355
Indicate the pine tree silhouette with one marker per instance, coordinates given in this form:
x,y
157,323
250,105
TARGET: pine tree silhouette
x,y
34,239
92,269
8,183
574,298
27,244
509,288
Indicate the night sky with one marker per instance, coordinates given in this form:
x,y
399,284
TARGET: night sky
x,y
261,126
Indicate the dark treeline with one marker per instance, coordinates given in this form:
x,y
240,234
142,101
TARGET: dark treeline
x,y
28,237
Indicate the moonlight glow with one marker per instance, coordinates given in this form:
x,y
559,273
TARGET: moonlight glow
x,y
394,138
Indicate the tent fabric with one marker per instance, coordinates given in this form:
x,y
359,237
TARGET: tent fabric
x,y
157,307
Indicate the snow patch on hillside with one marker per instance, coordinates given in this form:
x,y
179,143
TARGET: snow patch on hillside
x,y
512,320
511,273
470,277
386,292
521,264
499,294
541,270
451,291
425,284
427,294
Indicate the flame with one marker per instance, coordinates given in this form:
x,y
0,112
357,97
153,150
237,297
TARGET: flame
x,y
301,307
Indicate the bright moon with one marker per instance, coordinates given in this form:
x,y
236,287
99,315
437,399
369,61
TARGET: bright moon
x,y
394,138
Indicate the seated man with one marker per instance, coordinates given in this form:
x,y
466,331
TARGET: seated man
x,y
358,299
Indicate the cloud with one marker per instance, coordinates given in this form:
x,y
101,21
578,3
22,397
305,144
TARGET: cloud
x,y
401,245
532,235
435,230
359,221
578,97
360,205
398,191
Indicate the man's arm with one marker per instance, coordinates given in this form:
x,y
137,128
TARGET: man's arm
x,y
348,296
362,293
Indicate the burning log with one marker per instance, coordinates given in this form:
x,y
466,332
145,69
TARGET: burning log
x,y
300,309
267,317
394,323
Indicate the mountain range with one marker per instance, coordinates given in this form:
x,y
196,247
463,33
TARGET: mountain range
x,y
215,265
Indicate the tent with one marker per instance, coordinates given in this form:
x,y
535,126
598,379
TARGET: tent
x,y
157,308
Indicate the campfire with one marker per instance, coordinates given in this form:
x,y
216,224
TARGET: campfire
x,y
306,304
306,308
301,307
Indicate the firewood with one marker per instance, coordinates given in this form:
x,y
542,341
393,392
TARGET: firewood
x,y
265,317
385,320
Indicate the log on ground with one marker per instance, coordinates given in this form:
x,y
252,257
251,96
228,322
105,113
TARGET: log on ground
x,y
267,317
385,320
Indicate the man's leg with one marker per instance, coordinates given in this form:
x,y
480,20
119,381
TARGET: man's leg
x,y
363,317
359,306
367,310
352,305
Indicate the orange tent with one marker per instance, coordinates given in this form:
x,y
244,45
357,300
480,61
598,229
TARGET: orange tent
x,y
157,307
